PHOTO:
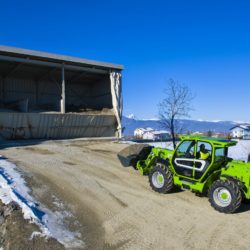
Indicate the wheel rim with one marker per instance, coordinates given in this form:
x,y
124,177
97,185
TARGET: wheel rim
x,y
222,197
158,179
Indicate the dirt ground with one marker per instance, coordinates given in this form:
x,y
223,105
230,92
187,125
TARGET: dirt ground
x,y
15,232
116,208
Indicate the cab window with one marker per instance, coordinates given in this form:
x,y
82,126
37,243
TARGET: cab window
x,y
220,154
186,149
204,150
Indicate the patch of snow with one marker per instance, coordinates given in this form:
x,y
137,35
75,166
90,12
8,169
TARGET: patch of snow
x,y
127,142
240,151
168,145
215,121
151,119
13,188
54,222
240,122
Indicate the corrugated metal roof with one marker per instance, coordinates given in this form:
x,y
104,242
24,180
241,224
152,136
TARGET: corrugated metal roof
x,y
32,54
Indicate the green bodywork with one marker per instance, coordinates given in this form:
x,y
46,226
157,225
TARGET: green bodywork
x,y
220,167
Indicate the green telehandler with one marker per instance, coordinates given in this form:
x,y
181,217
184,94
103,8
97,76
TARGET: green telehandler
x,y
199,164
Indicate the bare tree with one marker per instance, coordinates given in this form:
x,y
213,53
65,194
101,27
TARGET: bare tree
x,y
175,105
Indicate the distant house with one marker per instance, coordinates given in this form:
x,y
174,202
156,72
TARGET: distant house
x,y
241,131
138,133
156,135
151,134
197,133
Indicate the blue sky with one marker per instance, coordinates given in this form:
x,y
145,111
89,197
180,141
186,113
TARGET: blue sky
x,y
204,44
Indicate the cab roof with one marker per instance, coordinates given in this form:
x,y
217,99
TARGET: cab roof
x,y
219,142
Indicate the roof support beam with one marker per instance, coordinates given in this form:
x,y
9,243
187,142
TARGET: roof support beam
x,y
52,64
15,68
45,74
75,78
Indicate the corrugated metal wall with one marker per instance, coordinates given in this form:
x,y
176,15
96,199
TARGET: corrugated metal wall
x,y
52,126
17,89
48,93
101,92
95,95
45,93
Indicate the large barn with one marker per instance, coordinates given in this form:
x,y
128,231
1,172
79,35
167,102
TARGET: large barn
x,y
45,95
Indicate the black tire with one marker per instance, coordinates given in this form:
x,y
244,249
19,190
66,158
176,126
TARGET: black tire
x,y
134,166
167,183
232,196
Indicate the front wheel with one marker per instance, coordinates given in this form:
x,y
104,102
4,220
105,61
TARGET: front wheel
x,y
225,196
161,178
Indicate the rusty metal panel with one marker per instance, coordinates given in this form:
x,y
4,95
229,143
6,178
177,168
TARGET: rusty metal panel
x,y
55,125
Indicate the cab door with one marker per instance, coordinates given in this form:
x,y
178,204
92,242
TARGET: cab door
x,y
201,165
184,158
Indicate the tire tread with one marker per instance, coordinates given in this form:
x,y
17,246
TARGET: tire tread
x,y
235,193
168,177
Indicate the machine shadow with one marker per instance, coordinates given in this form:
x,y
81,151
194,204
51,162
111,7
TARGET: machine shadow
x,y
245,207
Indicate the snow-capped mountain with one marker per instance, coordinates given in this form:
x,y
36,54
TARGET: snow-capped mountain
x,y
130,123
131,116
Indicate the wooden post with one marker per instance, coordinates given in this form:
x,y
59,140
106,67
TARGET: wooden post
x,y
63,92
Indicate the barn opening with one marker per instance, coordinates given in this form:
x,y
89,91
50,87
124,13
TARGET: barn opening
x,y
53,96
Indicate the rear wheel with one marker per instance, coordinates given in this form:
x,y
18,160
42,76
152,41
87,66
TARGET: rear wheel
x,y
161,178
225,196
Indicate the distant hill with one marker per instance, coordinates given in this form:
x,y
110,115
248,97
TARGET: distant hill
x,y
131,124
